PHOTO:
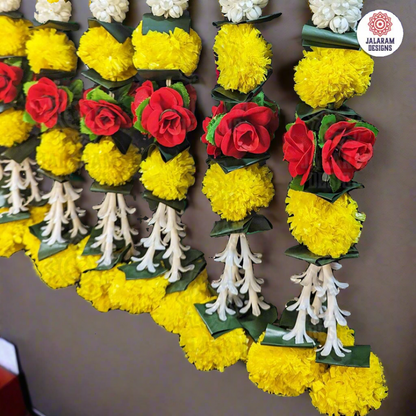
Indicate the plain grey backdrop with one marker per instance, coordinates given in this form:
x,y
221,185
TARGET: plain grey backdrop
x,y
80,362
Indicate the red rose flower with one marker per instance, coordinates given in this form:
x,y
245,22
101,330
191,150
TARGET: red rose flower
x,y
166,119
10,78
103,118
45,101
212,150
247,128
142,93
299,150
347,149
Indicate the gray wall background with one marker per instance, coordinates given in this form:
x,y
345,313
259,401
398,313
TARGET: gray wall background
x,y
80,362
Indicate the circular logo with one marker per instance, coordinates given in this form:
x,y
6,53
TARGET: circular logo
x,y
380,33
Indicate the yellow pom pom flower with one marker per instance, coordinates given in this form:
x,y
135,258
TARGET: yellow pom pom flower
x,y
175,309
327,229
331,76
136,296
283,371
244,57
169,180
57,271
60,151
107,165
237,194
208,353
100,51
14,34
173,50
350,391
50,49
13,130
344,333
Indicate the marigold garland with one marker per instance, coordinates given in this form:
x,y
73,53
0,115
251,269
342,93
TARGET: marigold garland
x,y
60,151
14,34
107,165
340,74
100,51
235,195
13,130
173,50
50,49
168,180
327,229
243,57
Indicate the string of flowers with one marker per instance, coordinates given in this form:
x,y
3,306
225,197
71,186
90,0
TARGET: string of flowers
x,y
312,348
238,183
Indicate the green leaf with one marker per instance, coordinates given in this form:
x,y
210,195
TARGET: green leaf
x,y
139,112
23,150
27,118
89,251
262,19
122,189
307,113
77,89
274,338
165,25
326,123
162,75
5,218
118,257
215,326
56,74
69,93
301,252
98,94
60,26
256,325
212,126
175,203
12,15
27,85
118,31
122,141
251,225
295,184
358,357
259,99
15,61
56,178
95,77
335,183
169,153
230,164
367,126
181,89
288,126
131,272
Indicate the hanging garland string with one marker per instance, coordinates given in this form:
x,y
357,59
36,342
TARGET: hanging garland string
x,y
312,348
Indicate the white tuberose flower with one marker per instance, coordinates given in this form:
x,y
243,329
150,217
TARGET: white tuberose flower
x,y
48,10
338,15
238,10
168,8
105,10
9,5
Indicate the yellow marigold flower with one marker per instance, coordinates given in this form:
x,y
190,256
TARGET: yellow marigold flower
x,y
169,180
14,34
174,309
283,371
173,50
331,76
60,151
94,286
58,271
85,262
350,391
327,229
107,165
37,214
208,353
244,57
136,296
100,51
13,130
50,49
345,334
237,194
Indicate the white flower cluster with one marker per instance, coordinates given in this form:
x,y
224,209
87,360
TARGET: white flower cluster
x,y
168,8
59,10
338,15
9,5
105,10
238,10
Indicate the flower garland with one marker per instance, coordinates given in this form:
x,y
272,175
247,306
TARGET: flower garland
x,y
312,348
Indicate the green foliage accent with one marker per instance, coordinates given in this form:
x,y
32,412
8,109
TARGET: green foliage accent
x,y
295,184
212,126
69,93
181,89
98,94
367,126
27,118
326,123
77,88
139,112
27,85
334,183
85,130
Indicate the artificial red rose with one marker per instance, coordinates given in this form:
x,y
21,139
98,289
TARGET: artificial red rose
x,y
212,150
347,149
103,118
10,78
45,101
166,118
142,93
299,150
247,128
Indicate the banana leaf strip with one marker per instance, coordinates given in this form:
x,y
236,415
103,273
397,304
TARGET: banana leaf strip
x,y
301,252
274,338
262,19
358,357
118,31
256,325
165,25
